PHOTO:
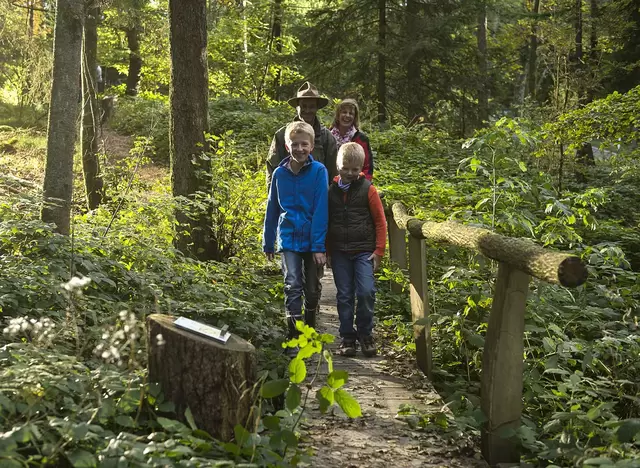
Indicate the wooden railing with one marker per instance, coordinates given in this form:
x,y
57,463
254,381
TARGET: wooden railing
x,y
502,361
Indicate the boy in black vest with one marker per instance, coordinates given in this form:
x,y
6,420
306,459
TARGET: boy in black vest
x,y
356,242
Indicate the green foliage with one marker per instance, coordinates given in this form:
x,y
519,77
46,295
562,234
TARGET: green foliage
x,y
58,411
255,123
276,442
581,346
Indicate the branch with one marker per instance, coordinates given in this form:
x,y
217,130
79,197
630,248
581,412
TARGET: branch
x,y
29,7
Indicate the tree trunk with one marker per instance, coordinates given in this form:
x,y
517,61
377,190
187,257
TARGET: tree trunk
x,y
63,114
533,52
214,380
584,154
189,121
382,65
90,112
483,91
135,61
593,48
276,35
414,62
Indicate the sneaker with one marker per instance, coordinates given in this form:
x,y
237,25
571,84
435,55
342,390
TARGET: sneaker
x,y
368,346
347,347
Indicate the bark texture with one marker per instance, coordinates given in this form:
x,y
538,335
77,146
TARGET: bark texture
x,y
90,112
483,66
64,111
382,61
189,120
215,380
545,264
135,61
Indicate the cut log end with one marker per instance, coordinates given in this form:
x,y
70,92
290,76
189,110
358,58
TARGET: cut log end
x,y
234,344
214,380
572,272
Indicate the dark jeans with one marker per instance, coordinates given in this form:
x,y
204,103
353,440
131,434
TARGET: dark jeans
x,y
301,286
353,275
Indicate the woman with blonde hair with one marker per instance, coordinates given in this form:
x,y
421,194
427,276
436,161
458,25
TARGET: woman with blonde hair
x,y
345,129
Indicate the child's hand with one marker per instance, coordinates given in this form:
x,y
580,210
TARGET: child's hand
x,y
376,261
270,256
320,258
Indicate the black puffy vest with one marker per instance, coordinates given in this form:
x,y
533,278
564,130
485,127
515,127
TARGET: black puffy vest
x,y
351,227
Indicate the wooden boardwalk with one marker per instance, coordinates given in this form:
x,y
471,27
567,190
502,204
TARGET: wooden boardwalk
x,y
378,439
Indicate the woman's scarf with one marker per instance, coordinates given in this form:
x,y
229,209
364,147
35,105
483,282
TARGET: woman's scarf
x,y
342,139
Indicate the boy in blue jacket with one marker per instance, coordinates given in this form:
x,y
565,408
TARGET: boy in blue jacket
x,y
296,222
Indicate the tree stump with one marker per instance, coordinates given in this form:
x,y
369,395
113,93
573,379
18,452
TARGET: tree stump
x,y
213,379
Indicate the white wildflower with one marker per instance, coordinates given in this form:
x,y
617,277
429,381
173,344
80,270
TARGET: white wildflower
x,y
76,283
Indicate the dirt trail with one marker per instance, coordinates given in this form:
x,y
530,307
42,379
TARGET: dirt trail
x,y
378,439
118,147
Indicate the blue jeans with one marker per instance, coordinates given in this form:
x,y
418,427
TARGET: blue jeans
x,y
301,285
353,275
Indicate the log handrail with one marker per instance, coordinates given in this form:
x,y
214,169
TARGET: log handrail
x,y
502,363
547,265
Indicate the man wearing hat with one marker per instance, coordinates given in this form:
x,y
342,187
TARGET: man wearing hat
x,y
307,103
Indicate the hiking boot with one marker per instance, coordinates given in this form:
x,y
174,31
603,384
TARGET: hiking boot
x,y
368,346
347,347
310,317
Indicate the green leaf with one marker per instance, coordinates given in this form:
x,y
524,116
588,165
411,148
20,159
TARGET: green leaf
x,y
294,395
125,420
241,435
522,165
82,459
598,461
289,438
628,430
329,359
326,398
475,340
171,425
271,422
273,388
188,415
297,371
337,379
232,448
348,404
79,431
167,407
593,413
311,348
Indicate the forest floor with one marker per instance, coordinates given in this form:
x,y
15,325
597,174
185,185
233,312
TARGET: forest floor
x,y
380,438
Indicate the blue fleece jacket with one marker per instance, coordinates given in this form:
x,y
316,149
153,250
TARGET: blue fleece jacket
x,y
297,209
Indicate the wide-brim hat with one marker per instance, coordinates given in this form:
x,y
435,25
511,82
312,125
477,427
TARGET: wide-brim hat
x,y
308,91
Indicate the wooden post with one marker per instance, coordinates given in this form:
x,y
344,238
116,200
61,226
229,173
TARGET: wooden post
x,y
397,250
502,366
420,303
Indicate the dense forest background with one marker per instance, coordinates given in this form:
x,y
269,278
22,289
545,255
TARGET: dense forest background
x,y
516,116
